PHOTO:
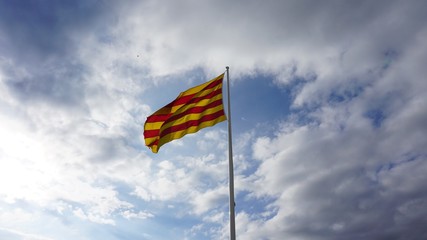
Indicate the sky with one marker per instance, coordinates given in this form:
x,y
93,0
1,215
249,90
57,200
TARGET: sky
x,y
329,117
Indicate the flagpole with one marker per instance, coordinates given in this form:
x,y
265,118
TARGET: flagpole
x,y
230,165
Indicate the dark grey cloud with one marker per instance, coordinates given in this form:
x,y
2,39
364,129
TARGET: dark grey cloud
x,y
38,30
41,39
61,84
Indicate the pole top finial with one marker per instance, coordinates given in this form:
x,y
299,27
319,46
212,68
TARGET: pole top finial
x,y
227,67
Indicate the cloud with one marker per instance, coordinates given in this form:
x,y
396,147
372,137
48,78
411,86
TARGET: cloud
x,y
344,176
139,215
14,234
272,36
210,199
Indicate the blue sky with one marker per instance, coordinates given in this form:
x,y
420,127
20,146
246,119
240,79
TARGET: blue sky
x,y
328,106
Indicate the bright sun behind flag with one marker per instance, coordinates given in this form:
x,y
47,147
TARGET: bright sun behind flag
x,y
196,108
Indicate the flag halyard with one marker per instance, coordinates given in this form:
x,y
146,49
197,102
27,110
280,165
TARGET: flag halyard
x,y
196,108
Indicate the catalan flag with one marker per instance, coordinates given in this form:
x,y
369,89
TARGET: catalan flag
x,y
196,108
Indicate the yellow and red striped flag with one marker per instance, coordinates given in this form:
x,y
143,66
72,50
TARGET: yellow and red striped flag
x,y
196,108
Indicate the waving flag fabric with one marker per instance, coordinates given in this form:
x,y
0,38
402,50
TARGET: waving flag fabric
x,y
194,109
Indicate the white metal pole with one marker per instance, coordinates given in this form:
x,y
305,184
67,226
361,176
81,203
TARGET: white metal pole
x,y
230,165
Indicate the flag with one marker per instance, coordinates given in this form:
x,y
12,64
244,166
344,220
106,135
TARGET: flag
x,y
196,108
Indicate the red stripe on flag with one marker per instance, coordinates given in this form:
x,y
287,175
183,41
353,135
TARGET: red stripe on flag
x,y
186,98
192,123
207,96
163,117
193,110
155,132
211,85
157,118
151,133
